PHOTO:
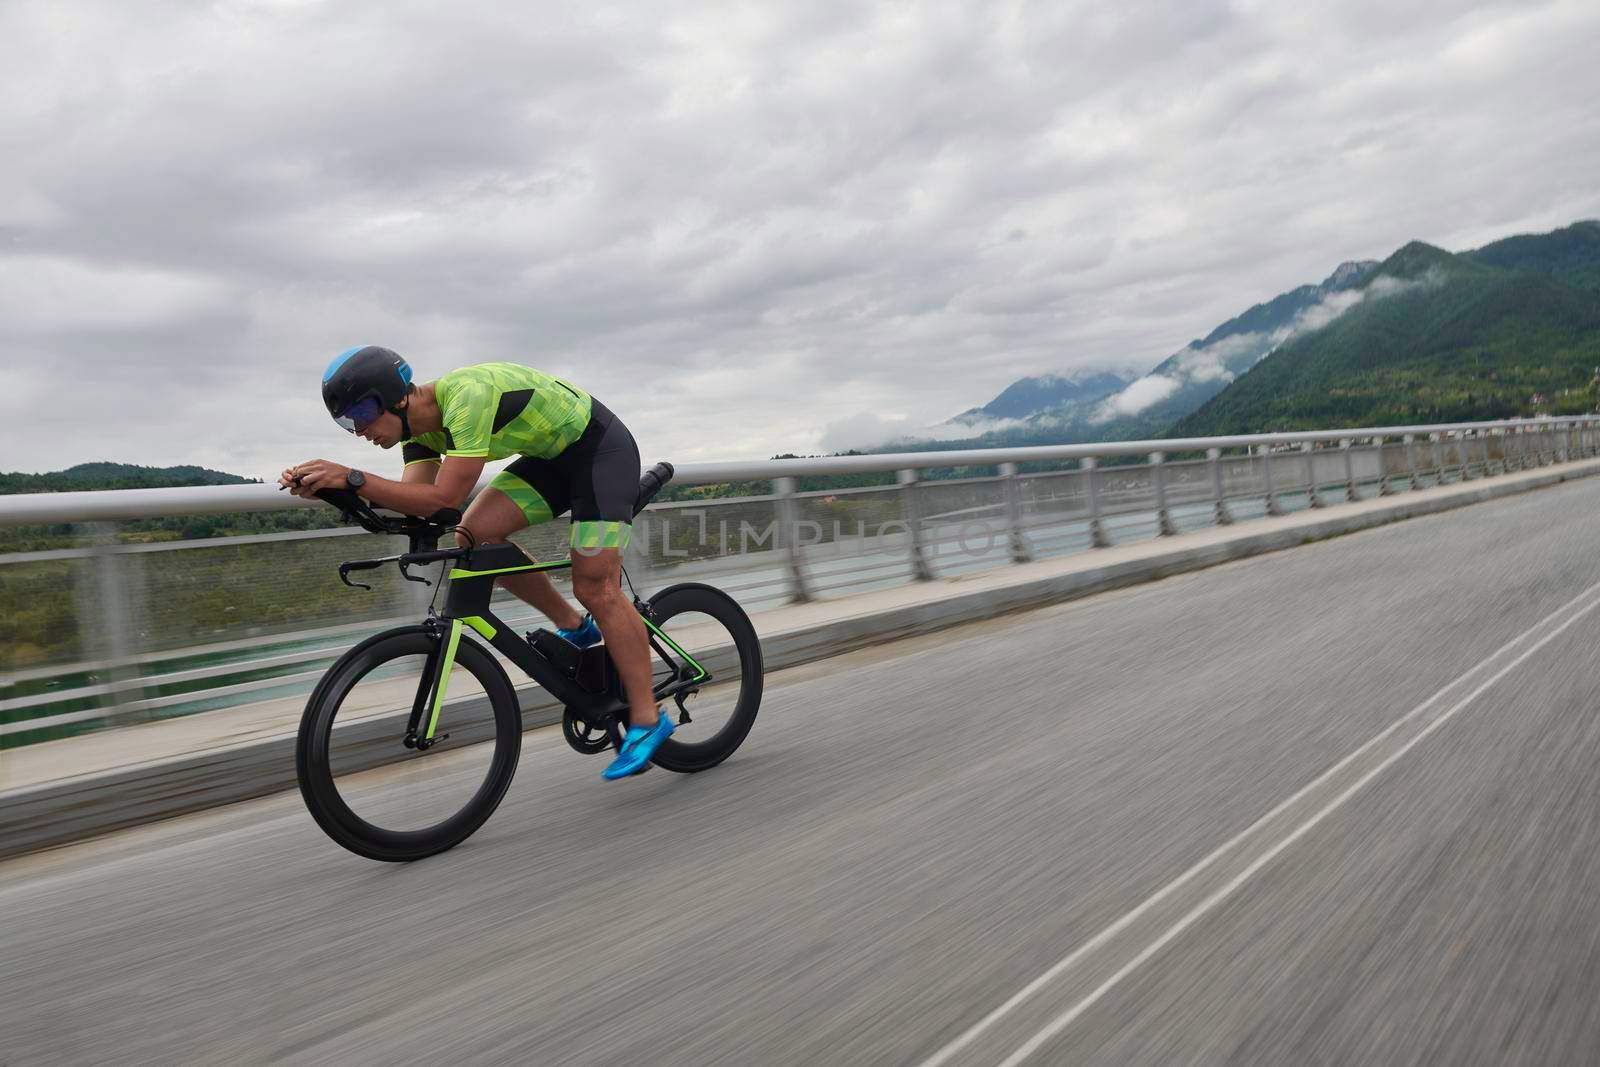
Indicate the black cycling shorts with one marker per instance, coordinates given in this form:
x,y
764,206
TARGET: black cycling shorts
x,y
596,478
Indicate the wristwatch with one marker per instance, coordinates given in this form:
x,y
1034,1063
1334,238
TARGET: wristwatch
x,y
355,479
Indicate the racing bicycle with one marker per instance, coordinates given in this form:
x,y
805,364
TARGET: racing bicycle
x,y
410,740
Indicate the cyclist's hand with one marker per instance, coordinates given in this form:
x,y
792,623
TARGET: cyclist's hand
x,y
306,479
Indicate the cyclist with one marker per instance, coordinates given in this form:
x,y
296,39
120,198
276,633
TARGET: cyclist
x,y
572,454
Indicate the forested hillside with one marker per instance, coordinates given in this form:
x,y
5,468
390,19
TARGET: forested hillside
x,y
1511,329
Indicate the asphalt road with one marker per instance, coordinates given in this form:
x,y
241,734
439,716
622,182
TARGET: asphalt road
x,y
1334,805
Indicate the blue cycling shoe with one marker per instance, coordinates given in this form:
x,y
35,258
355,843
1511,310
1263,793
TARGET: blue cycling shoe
x,y
586,633
638,745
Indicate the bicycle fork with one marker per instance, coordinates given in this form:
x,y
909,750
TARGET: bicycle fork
x,y
431,690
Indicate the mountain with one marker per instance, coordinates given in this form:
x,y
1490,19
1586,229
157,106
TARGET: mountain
x,y
1430,336
1571,253
1029,396
1113,407
114,476
1200,370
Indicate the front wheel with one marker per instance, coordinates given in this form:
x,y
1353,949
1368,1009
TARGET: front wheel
x,y
693,624
371,787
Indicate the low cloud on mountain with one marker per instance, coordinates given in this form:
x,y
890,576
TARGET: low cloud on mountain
x,y
1228,357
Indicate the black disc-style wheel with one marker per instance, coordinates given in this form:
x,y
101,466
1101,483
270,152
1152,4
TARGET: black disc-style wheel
x,y
698,624
389,796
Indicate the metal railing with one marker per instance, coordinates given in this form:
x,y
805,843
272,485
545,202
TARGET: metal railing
x,y
109,632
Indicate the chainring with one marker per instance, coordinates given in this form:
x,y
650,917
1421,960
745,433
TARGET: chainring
x,y
585,737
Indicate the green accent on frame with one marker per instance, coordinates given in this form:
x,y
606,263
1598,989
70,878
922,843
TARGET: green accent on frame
x,y
551,566
444,676
480,625
692,661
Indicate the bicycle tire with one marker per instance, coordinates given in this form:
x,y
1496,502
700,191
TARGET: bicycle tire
x,y
692,757
312,749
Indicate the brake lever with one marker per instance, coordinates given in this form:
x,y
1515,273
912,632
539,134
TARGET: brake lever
x,y
409,577
344,576
358,565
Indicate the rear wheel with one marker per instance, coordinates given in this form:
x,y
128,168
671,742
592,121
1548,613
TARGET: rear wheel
x,y
698,624
382,798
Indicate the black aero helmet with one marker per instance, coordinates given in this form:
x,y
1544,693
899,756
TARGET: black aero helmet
x,y
363,382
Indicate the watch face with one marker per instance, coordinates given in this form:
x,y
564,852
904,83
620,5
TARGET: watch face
x,y
356,479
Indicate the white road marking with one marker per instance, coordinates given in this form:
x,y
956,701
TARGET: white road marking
x,y
945,1054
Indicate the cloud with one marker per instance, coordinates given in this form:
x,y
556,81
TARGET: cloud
x,y
1142,393
731,225
864,430
956,430
1194,364
1337,303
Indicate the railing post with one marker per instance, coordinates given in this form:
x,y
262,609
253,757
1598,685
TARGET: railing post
x,y
1158,462
1383,468
106,623
1466,456
1091,481
789,538
1220,512
913,505
1021,551
1350,496
1437,452
1313,498
1273,508
1412,481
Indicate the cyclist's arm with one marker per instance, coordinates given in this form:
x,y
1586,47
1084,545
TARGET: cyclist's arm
x,y
422,463
448,486
422,472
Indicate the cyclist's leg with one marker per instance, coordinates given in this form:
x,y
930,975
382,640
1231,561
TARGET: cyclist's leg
x,y
603,491
517,497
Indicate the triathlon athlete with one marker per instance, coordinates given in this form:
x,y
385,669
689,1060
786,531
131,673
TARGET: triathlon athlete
x,y
571,454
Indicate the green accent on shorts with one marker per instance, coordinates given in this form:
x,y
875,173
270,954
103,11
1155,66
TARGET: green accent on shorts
x,y
525,496
600,533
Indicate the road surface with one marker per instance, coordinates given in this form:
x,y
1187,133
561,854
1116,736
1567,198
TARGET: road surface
x,y
1339,804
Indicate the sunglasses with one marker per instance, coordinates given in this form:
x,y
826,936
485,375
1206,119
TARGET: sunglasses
x,y
361,414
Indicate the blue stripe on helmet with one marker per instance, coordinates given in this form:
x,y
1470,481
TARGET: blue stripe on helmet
x,y
338,361
405,372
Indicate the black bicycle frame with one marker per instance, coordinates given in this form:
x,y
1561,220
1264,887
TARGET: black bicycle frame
x,y
559,667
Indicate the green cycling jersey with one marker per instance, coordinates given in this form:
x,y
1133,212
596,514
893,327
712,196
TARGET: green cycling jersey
x,y
496,410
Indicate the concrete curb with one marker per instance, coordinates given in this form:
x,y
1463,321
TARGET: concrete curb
x,y
57,813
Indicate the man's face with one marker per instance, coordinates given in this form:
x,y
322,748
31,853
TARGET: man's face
x,y
383,431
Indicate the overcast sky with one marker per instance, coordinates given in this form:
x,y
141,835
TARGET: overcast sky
x,y
747,228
